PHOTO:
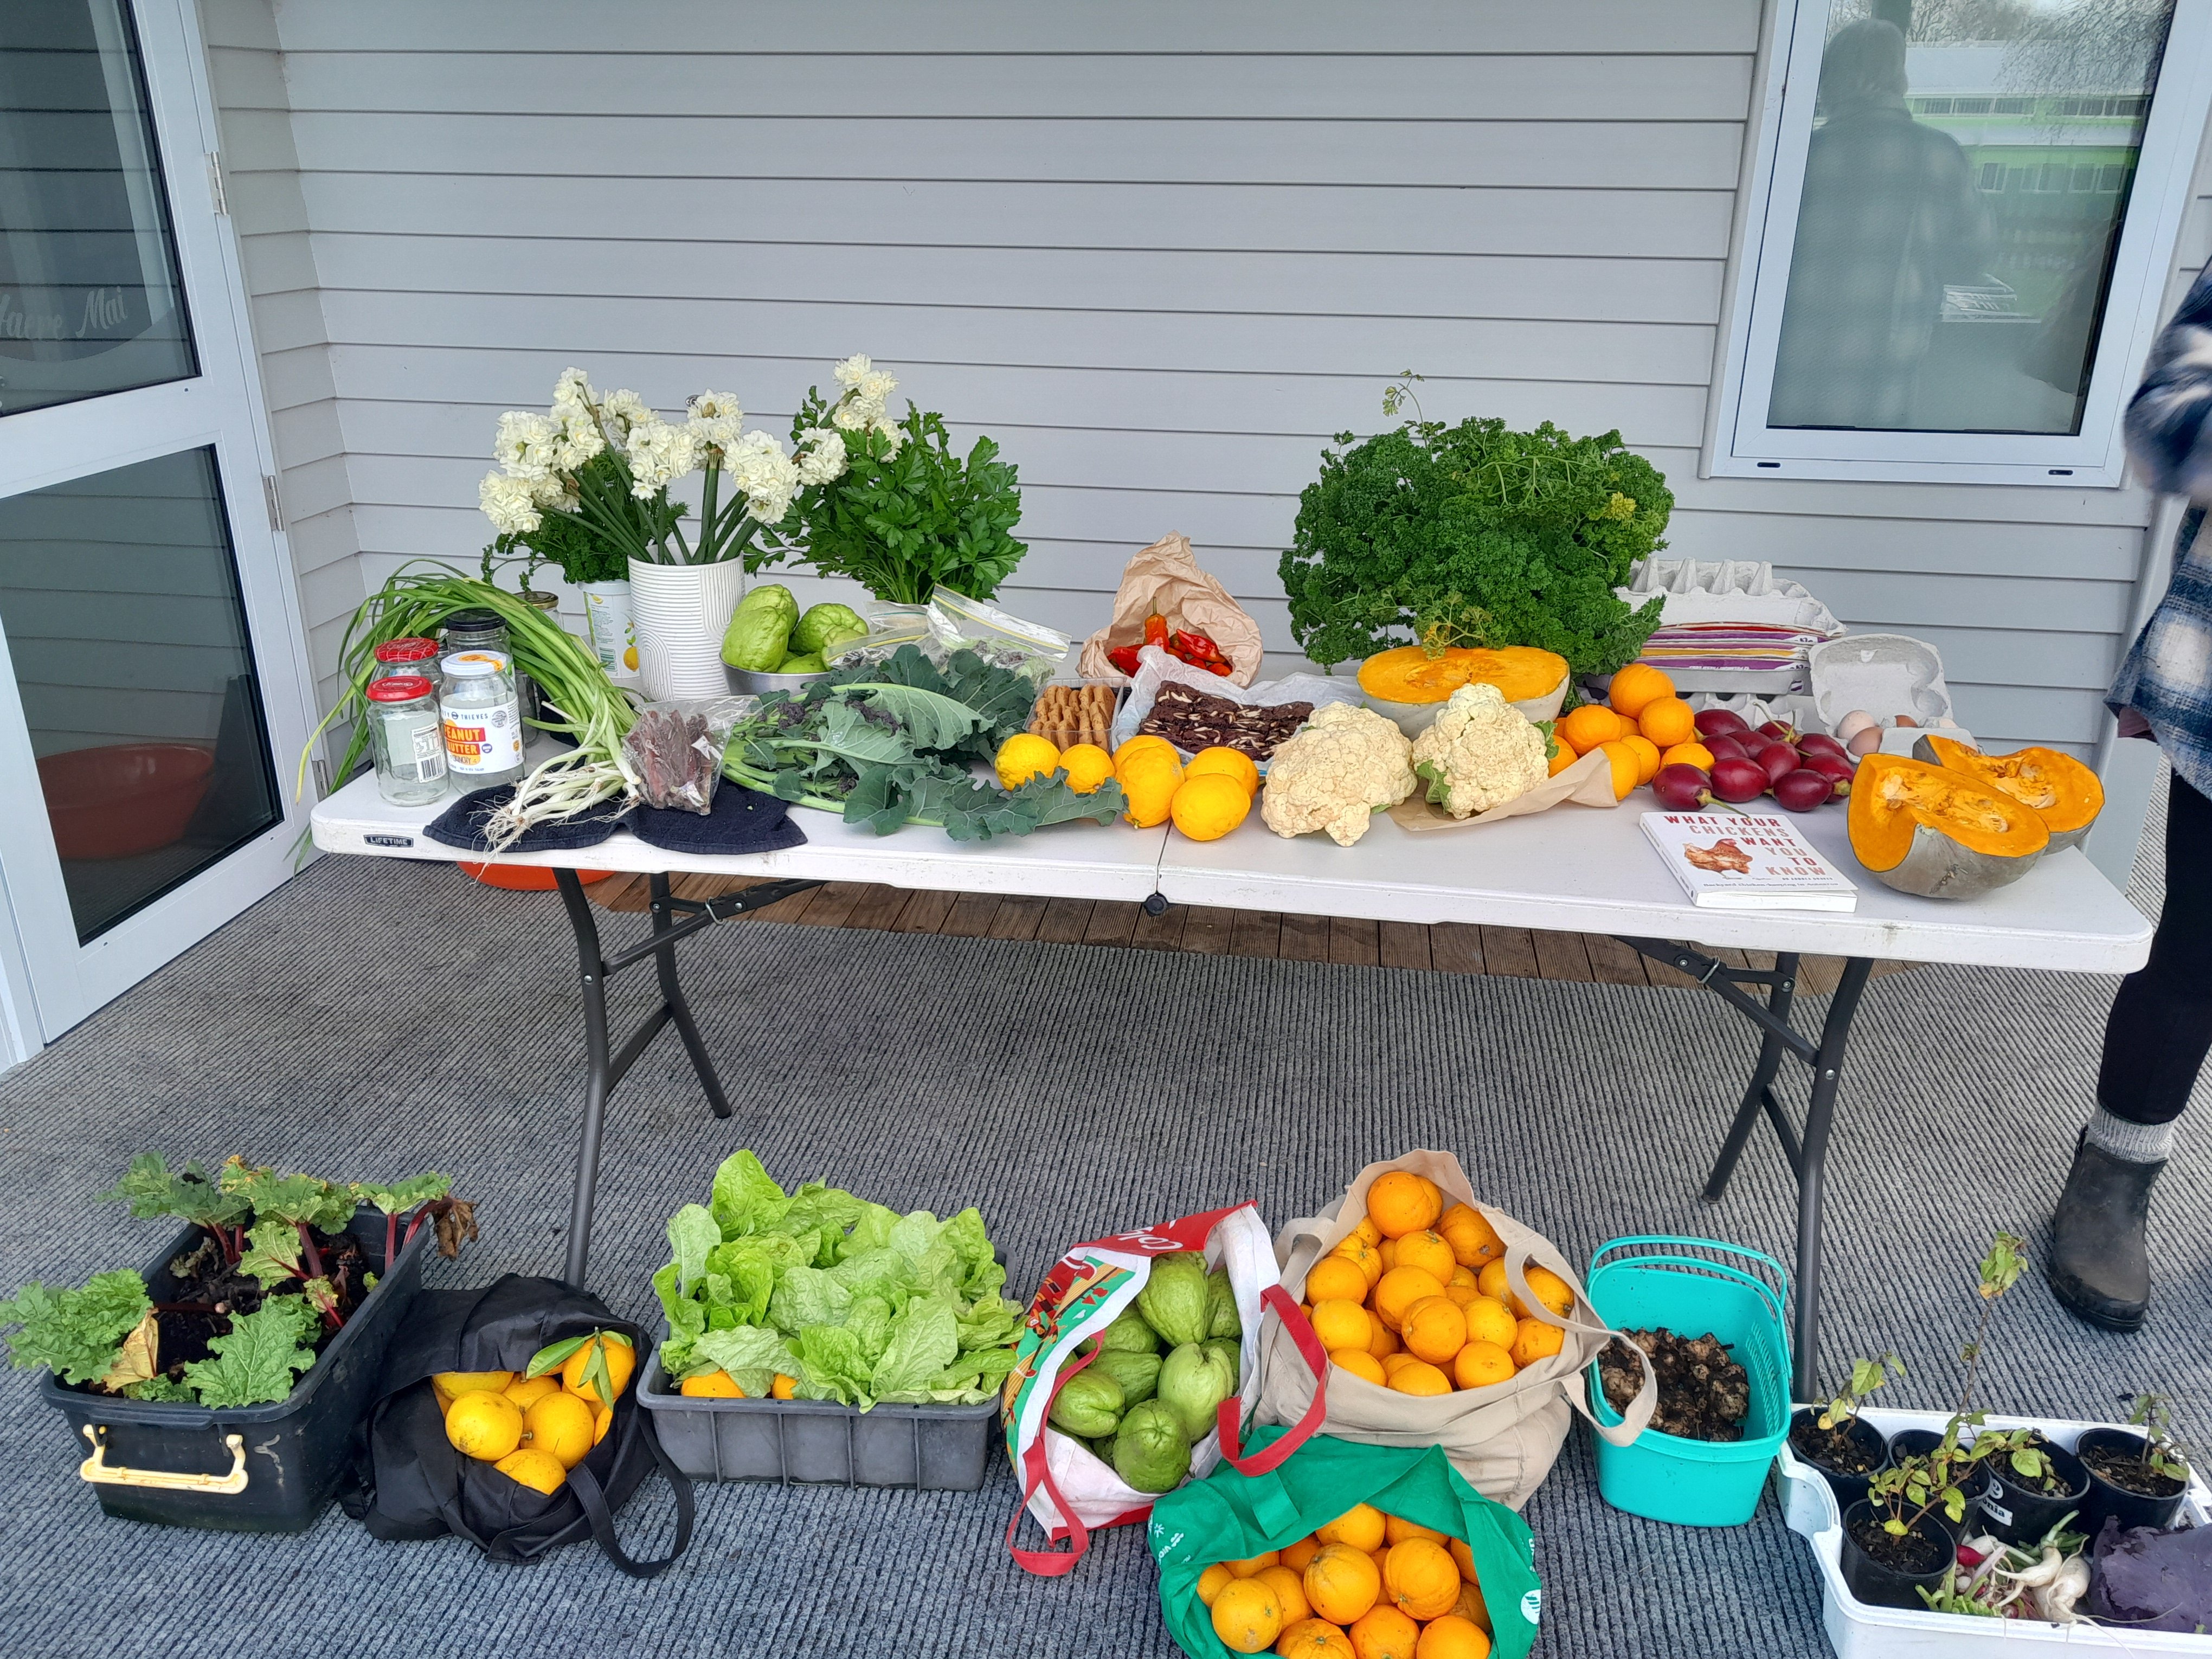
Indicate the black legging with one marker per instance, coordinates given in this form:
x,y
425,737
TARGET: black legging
x,y
2161,1023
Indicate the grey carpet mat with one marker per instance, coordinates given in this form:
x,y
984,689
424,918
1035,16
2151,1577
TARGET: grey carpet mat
x,y
374,1018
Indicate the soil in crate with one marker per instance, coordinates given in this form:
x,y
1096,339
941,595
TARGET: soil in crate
x,y
1912,1554
2133,1475
1833,1449
2049,1484
1704,1394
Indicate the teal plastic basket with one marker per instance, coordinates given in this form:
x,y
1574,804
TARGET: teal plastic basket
x,y
1637,1283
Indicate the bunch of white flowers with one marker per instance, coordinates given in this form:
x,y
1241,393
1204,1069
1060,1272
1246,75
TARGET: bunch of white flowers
x,y
769,478
867,389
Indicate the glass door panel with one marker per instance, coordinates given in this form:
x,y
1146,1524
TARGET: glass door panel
x,y
119,596
90,299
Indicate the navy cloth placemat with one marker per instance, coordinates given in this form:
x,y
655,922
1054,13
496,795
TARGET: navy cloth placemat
x,y
743,821
462,825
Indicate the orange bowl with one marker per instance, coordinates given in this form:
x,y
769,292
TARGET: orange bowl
x,y
526,878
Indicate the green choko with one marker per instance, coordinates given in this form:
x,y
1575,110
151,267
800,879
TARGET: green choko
x,y
1139,1374
1173,1300
1152,1452
1194,1379
1221,1317
1127,1333
1088,1405
824,626
810,664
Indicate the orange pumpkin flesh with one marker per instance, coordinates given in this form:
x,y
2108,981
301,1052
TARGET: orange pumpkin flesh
x,y
1939,834
2058,788
1410,674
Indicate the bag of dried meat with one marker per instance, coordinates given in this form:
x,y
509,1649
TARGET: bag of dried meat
x,y
1195,611
675,751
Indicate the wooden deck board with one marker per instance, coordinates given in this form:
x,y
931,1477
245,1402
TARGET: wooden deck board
x,y
1207,930
1355,941
1509,953
1305,939
1404,944
1256,933
1064,920
1161,933
1561,955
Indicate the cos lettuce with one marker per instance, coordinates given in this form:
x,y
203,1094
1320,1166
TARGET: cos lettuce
x,y
854,1300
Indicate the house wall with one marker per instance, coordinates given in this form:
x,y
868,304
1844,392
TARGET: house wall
x,y
1161,253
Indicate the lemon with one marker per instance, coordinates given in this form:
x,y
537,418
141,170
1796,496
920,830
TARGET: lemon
x,y
1022,756
1227,762
527,1391
560,1423
1209,805
539,1471
484,1425
1149,781
712,1385
622,1359
1145,740
1088,765
456,1383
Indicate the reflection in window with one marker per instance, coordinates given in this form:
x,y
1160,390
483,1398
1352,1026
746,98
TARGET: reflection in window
x,y
89,296
1966,184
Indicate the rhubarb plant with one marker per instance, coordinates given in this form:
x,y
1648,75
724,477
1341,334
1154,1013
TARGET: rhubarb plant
x,y
152,1189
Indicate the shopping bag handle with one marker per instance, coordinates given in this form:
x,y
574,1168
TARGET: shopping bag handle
x,y
1049,1563
1637,1417
1310,1349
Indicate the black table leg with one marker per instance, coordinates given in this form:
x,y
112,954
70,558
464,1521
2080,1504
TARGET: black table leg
x,y
1811,1169
1762,1079
672,994
598,1073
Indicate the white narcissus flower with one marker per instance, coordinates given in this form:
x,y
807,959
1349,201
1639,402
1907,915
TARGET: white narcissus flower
x,y
875,387
854,414
627,410
659,453
528,446
714,406
769,478
573,386
508,503
851,370
578,438
823,457
556,491
715,436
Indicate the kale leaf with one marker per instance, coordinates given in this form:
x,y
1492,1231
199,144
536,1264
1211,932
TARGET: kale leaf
x,y
76,1334
257,1360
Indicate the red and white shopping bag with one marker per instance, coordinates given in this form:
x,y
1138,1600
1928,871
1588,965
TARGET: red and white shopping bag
x,y
1070,1492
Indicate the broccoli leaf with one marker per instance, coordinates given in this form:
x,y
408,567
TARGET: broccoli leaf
x,y
930,719
257,1360
76,1334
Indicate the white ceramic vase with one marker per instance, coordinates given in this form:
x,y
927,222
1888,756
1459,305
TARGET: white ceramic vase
x,y
680,612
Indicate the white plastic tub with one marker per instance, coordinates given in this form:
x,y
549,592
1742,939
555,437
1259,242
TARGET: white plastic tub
x,y
1856,1630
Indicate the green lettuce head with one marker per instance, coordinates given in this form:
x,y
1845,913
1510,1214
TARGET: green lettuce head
x,y
1173,1299
1194,1380
1088,1405
1152,1452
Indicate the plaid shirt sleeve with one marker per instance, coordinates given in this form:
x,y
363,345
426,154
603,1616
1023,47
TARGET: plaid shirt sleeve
x,y
2166,435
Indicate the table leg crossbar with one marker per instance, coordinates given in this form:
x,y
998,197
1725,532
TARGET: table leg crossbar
x,y
605,1067
1806,1150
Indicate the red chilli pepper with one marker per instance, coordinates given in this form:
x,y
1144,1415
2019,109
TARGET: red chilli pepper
x,y
1197,646
1124,658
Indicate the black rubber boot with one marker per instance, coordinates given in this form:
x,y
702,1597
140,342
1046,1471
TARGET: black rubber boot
x,y
2099,1267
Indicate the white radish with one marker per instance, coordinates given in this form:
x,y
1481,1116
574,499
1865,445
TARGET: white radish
x,y
2056,1600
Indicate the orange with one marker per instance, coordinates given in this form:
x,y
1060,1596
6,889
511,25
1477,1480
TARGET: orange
x,y
1589,725
1473,1239
1625,764
539,1471
1223,762
1427,1250
622,1360
1247,1617
1418,1376
1688,754
1668,722
1397,1529
1489,1319
527,1391
1359,1363
1208,807
1392,1364
1290,1587
1401,1202
487,1426
1471,1606
1361,1254
1448,1636
1461,1287
1636,687
1436,1193
1478,1365
1146,740
1384,1633
1336,1277
1554,1292
1367,1232
1360,1527
783,1388
1025,755
1295,1556
1340,1323
1421,1578
1087,766
1399,1290
1385,1343
1214,1580
1434,1329
1535,1341
1381,1559
1315,1639
561,1424
1252,1566
707,1385
1491,1279
1343,1583
1387,1250
1647,757
602,1423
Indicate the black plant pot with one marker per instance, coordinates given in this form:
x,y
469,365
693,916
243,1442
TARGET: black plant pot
x,y
1916,1443
1878,1585
2134,1509
1849,1487
2019,1514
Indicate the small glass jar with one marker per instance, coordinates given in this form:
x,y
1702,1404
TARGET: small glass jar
x,y
407,740
482,719
409,656
479,630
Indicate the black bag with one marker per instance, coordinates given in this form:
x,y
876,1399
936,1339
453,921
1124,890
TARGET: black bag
x,y
412,1483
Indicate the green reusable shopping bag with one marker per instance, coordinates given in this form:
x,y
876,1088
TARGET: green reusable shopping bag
x,y
1229,1516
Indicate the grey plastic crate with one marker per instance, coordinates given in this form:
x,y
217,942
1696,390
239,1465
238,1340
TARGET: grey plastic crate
x,y
818,1442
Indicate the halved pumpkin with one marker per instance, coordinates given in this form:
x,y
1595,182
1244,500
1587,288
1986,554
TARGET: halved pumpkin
x,y
1409,685
2061,791
1940,834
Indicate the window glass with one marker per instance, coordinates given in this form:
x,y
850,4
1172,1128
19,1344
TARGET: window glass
x,y
125,623
89,296
1965,184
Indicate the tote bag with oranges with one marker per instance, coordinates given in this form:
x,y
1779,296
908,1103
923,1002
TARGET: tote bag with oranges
x,y
1447,1323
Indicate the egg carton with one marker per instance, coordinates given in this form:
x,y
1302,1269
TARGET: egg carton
x,y
1884,675
1727,590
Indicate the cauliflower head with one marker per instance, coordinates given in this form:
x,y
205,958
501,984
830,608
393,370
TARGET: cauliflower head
x,y
1480,752
1335,772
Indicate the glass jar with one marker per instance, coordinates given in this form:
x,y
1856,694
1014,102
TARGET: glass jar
x,y
406,739
414,656
482,719
479,630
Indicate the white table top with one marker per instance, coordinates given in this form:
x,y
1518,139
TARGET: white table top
x,y
1574,869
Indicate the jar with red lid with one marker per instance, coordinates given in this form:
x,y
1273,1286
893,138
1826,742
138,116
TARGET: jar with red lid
x,y
407,740
407,656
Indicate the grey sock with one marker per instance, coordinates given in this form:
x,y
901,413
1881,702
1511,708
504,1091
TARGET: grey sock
x,y
2131,1143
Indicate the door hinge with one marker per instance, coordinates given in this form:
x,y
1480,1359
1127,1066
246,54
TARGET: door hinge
x,y
215,185
322,777
276,502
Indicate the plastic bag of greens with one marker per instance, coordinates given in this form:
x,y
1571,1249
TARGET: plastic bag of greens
x,y
1004,640
890,626
675,751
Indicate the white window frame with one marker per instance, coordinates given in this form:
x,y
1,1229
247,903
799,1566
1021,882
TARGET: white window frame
x,y
1738,441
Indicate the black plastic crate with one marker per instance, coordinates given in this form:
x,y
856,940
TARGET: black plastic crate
x,y
244,1468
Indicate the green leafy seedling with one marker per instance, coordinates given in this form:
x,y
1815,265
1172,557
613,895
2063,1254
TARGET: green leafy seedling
x,y
1868,1376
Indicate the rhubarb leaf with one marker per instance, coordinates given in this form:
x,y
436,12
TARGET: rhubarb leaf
x,y
272,1252
257,1360
76,1334
152,1189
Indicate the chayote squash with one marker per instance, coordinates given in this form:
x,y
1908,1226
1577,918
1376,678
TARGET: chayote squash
x,y
1088,1405
1221,1318
758,638
771,596
1152,1452
1127,1333
1173,1299
1194,1380
824,626
1139,1374
810,664
1228,1348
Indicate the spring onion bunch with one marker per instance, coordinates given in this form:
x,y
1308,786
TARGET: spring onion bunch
x,y
592,712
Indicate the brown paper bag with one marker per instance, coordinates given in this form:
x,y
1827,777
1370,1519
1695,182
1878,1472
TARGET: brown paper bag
x,y
1501,1439
1165,579
1588,783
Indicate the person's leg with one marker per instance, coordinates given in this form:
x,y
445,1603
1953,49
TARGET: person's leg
x,y
2154,1042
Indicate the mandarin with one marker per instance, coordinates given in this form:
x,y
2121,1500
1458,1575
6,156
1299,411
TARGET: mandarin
x,y
1647,756
1626,764
1688,754
1401,1202
1636,687
1588,726
1668,722
1434,1329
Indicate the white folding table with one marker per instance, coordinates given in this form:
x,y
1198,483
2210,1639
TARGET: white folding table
x,y
1573,869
